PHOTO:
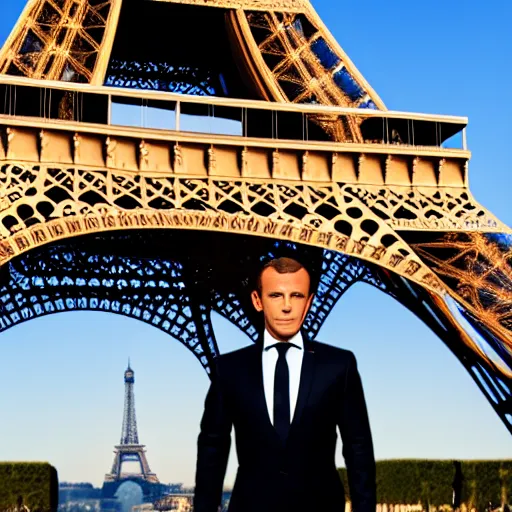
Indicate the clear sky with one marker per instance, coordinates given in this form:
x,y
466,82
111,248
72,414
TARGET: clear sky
x,y
61,377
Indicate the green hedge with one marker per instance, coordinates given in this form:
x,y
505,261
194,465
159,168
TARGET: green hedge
x,y
35,482
430,482
486,481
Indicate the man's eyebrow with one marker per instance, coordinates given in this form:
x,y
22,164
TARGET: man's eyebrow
x,y
276,292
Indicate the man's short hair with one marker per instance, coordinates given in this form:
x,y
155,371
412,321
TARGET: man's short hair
x,y
283,265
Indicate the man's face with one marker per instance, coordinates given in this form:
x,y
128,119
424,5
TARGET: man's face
x,y
284,300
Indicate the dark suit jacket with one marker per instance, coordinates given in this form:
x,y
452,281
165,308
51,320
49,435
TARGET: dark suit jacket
x,y
299,475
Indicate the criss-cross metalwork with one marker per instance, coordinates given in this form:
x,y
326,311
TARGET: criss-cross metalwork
x,y
177,292
58,40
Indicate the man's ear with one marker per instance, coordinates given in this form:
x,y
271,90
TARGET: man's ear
x,y
310,300
256,301
308,305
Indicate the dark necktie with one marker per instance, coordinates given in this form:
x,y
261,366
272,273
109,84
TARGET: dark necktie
x,y
282,392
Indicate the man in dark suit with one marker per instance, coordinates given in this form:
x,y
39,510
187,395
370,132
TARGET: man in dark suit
x,y
285,396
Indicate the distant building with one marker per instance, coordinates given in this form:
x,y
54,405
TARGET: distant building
x,y
145,507
80,497
84,497
182,502
78,492
111,505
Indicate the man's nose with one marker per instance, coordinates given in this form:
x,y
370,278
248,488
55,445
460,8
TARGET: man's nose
x,y
287,304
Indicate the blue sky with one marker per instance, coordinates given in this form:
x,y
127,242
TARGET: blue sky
x,y
62,376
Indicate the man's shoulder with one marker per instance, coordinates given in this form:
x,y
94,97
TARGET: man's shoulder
x,y
229,365
236,356
330,351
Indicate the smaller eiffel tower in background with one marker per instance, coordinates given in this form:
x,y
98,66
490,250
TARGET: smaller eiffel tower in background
x,y
129,449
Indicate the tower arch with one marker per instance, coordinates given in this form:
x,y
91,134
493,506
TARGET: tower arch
x,y
319,162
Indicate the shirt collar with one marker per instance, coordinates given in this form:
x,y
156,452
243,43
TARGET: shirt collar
x,y
269,340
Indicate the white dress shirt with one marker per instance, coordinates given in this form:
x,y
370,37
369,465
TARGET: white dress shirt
x,y
294,357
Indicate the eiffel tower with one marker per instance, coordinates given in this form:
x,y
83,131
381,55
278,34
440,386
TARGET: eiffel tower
x,y
129,449
164,223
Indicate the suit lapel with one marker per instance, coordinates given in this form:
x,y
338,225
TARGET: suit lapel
x,y
306,379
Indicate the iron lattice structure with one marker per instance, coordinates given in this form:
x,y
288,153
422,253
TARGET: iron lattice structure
x,y
166,225
129,448
129,433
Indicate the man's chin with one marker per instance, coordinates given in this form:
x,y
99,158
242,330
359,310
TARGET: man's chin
x,y
286,333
